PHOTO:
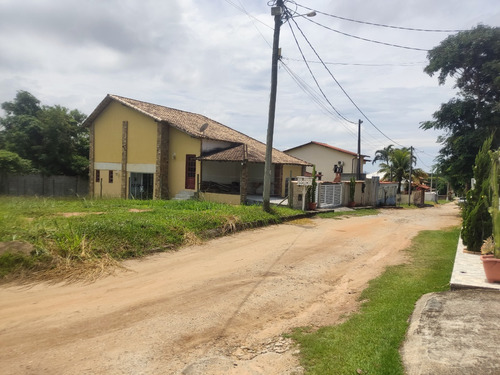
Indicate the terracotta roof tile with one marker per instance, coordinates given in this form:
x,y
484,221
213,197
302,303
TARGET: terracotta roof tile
x,y
194,125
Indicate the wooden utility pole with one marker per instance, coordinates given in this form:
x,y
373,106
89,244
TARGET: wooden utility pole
x,y
358,175
266,193
411,171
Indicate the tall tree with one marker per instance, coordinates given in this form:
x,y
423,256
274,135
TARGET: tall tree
x,y
398,166
51,137
472,58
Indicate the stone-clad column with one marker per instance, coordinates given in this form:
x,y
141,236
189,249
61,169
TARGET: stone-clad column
x,y
162,160
91,160
124,179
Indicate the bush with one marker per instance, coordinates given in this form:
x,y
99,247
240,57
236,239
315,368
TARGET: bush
x,y
477,222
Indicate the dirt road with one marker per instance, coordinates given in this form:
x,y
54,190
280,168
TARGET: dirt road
x,y
215,308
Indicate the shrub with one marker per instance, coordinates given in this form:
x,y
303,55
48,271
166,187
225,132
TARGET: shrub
x,y
477,223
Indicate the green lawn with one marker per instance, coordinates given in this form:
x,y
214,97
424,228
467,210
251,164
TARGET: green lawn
x,y
369,341
72,231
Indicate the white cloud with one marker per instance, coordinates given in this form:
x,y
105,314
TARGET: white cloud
x,y
212,58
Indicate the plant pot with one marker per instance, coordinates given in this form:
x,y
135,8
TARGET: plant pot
x,y
491,267
351,204
312,205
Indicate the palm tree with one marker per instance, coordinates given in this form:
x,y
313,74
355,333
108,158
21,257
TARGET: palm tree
x,y
400,160
397,167
383,155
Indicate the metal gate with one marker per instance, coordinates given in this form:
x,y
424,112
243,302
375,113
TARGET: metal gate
x,y
330,195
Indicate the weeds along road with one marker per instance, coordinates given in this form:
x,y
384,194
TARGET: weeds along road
x,y
215,308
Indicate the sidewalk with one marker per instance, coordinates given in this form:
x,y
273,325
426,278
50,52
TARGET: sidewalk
x,y
456,332
468,271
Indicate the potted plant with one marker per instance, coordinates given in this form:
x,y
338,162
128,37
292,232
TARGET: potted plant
x,y
491,247
352,191
312,191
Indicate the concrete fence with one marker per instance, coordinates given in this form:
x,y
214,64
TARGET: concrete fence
x,y
49,186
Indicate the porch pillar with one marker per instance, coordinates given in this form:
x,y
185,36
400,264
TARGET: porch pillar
x,y
91,160
162,161
124,178
244,176
243,182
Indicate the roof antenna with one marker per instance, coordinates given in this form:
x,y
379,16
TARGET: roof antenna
x,y
204,127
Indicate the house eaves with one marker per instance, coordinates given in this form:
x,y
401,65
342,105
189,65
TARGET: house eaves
x,y
354,154
198,126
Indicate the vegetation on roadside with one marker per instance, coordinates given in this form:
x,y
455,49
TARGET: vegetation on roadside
x,y
86,236
369,341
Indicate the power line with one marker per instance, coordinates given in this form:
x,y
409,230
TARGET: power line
x,y
416,63
366,39
315,97
379,24
343,90
242,9
312,74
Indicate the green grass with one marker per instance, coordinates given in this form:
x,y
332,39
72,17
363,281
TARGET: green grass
x,y
370,340
107,228
342,214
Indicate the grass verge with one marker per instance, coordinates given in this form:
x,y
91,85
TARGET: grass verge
x,y
82,236
369,341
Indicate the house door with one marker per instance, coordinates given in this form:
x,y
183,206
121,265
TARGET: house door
x,y
190,172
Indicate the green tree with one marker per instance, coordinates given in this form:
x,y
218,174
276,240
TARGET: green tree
x,y
398,166
384,155
477,222
10,162
51,137
472,58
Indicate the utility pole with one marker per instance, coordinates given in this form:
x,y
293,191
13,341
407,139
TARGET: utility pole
x,y
266,193
409,182
359,150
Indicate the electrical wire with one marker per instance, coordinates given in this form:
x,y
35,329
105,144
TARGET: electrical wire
x,y
242,9
417,63
343,90
366,39
315,97
379,24
312,75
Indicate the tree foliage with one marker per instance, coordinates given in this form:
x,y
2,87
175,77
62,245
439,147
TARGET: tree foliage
x,y
11,163
52,138
472,59
477,222
397,164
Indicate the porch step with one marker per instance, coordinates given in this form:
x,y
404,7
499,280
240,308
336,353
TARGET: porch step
x,y
184,195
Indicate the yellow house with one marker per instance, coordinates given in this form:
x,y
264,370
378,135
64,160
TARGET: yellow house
x,y
141,150
327,159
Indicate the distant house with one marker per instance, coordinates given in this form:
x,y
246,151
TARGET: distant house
x,y
146,151
326,157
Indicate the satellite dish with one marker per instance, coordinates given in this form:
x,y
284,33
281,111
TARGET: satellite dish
x,y
204,127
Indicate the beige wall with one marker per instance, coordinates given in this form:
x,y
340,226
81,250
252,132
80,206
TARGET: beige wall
x,y
233,199
181,145
141,150
296,170
106,189
324,158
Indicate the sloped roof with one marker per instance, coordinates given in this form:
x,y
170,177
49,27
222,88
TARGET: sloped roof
x,y
327,146
194,125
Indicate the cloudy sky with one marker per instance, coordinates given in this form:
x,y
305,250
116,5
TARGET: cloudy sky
x,y
213,57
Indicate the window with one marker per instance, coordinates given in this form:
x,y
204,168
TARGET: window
x,y
110,178
97,175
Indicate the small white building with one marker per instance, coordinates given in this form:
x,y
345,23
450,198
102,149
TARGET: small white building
x,y
326,158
